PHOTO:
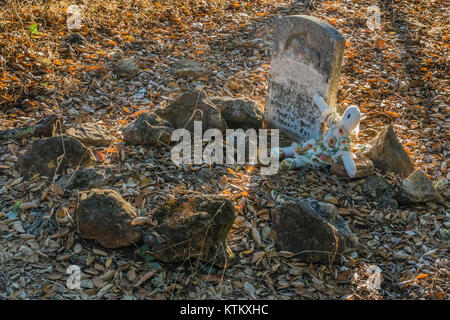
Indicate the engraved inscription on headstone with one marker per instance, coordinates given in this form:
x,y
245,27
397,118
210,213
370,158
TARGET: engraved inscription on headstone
x,y
307,59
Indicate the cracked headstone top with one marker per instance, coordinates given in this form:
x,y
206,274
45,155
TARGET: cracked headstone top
x,y
306,60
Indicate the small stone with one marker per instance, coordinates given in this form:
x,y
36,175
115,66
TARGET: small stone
x,y
240,113
43,156
418,188
131,274
148,129
91,134
388,154
193,106
86,284
77,248
126,68
105,216
190,68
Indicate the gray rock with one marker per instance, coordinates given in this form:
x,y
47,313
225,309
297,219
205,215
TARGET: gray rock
x,y
87,178
387,153
312,230
190,68
419,188
193,106
86,284
148,129
105,216
240,112
192,227
91,134
126,68
306,60
43,156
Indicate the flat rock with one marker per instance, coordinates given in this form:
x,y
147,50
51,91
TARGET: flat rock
x,y
387,153
86,178
364,168
312,230
148,129
186,68
378,190
192,227
240,112
181,112
103,215
419,188
42,156
91,134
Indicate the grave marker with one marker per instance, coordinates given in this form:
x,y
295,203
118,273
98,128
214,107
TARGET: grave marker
x,y
307,59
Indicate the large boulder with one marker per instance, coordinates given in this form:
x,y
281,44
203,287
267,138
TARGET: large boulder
x,y
312,230
388,154
192,227
193,106
105,216
418,188
240,112
148,129
91,134
54,155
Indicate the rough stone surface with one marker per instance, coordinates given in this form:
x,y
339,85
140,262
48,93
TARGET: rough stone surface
x,y
240,112
91,134
306,60
105,216
376,189
87,178
190,68
42,156
419,188
387,153
364,168
313,230
126,68
194,227
148,129
181,113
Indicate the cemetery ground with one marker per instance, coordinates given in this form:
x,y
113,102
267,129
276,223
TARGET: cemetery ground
x,y
397,74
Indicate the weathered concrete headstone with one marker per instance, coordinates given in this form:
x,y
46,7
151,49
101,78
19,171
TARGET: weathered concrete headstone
x,y
307,59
